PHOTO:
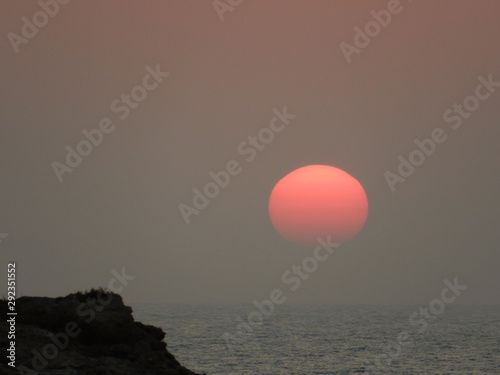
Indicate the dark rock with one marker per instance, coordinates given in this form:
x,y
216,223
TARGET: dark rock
x,y
91,333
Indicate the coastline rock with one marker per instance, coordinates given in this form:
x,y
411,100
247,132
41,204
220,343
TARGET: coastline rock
x,y
91,333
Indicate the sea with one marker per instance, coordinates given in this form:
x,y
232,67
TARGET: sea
x,y
329,339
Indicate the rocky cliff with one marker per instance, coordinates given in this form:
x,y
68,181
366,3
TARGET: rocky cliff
x,y
91,333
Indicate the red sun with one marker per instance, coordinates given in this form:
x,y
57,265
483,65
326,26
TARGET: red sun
x,y
318,201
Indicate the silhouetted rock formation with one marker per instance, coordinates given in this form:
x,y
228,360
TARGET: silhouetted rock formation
x,y
91,333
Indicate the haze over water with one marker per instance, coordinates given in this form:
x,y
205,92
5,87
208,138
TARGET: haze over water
x,y
330,340
116,115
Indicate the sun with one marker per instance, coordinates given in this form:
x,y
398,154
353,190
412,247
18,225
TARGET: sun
x,y
318,201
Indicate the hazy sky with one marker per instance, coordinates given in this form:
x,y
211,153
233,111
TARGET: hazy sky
x,y
120,206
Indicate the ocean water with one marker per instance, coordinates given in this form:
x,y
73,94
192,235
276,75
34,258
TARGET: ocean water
x,y
327,340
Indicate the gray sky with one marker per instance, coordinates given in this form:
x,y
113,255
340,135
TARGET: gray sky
x,y
120,206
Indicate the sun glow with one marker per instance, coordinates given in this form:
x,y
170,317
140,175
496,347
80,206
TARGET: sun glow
x,y
318,201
